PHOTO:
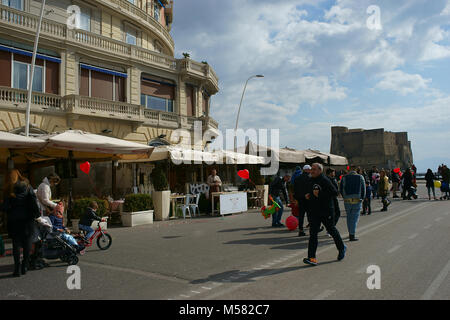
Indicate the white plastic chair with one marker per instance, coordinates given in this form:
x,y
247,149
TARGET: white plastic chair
x,y
185,206
194,206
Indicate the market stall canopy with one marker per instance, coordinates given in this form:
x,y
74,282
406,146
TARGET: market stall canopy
x,y
231,157
15,141
85,145
288,155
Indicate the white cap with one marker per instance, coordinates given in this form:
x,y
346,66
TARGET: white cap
x,y
307,167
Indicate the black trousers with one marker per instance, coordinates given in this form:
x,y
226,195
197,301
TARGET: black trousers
x,y
21,242
302,210
367,208
328,222
337,211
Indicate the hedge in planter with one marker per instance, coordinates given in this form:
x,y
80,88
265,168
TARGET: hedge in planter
x,y
137,203
159,179
80,206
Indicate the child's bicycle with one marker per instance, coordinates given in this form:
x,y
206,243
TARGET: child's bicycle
x,y
104,240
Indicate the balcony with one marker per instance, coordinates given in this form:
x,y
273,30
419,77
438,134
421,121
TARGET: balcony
x,y
140,16
16,22
75,106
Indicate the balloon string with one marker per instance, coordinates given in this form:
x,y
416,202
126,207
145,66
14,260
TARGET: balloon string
x,y
94,186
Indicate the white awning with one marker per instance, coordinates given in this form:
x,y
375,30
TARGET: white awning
x,y
15,141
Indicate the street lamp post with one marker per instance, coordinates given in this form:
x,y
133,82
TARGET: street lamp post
x,y
239,111
33,63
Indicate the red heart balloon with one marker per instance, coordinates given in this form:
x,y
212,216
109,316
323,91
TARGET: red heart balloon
x,y
244,174
85,167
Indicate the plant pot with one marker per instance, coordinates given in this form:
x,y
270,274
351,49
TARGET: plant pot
x,y
75,223
266,193
133,219
161,202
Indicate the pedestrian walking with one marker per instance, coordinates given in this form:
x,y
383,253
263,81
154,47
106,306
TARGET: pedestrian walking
x,y
375,178
320,197
353,190
367,207
407,184
277,188
383,190
430,178
331,174
21,207
395,183
301,184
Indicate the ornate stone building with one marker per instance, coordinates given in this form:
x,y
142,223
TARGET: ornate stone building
x,y
114,73
368,148
103,66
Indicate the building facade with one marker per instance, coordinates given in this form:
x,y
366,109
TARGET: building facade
x,y
103,66
368,148
106,67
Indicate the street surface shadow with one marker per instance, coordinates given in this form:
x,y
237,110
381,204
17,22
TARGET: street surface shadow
x,y
245,229
227,277
171,237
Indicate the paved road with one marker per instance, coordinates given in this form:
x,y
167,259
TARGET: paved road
x,y
242,257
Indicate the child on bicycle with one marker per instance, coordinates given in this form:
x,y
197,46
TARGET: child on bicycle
x,y
86,220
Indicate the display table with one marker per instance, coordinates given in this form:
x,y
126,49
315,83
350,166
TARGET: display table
x,y
230,202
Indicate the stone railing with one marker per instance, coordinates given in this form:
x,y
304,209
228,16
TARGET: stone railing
x,y
210,122
199,69
143,17
17,98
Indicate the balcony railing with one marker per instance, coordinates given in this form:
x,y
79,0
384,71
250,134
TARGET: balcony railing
x,y
16,99
126,6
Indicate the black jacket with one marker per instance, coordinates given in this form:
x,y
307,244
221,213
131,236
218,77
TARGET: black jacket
x,y
430,177
21,210
301,184
278,187
324,204
89,217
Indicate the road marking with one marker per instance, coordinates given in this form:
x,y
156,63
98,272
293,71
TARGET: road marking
x,y
324,295
184,296
428,226
395,248
135,271
431,291
206,288
413,236
438,219
196,292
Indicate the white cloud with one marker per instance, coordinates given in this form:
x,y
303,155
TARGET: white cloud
x,y
402,82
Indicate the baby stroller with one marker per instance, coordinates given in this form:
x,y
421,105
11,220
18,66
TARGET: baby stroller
x,y
445,189
52,246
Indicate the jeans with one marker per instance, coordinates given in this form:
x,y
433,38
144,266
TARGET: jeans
x,y
375,190
429,191
69,239
353,213
276,217
88,229
328,222
367,208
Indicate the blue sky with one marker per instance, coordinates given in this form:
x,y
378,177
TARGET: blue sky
x,y
323,67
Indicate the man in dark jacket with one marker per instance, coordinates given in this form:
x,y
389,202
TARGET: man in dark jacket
x,y
331,174
277,188
320,196
89,217
300,190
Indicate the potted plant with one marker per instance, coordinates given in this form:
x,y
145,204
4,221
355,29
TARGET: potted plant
x,y
161,195
137,210
79,208
186,55
261,185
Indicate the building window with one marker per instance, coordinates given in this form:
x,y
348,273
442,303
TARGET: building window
x,y
132,1
157,103
131,36
21,76
85,19
16,4
156,11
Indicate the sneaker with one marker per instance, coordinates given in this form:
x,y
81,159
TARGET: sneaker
x,y
310,261
321,229
280,225
353,238
342,253
302,234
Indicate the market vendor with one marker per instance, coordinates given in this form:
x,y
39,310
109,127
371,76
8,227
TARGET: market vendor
x,y
214,182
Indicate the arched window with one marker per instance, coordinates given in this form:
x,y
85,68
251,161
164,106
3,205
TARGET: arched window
x,y
34,131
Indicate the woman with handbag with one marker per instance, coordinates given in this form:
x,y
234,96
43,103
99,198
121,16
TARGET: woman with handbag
x,y
20,205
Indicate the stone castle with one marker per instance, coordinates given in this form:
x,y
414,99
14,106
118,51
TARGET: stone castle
x,y
368,148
